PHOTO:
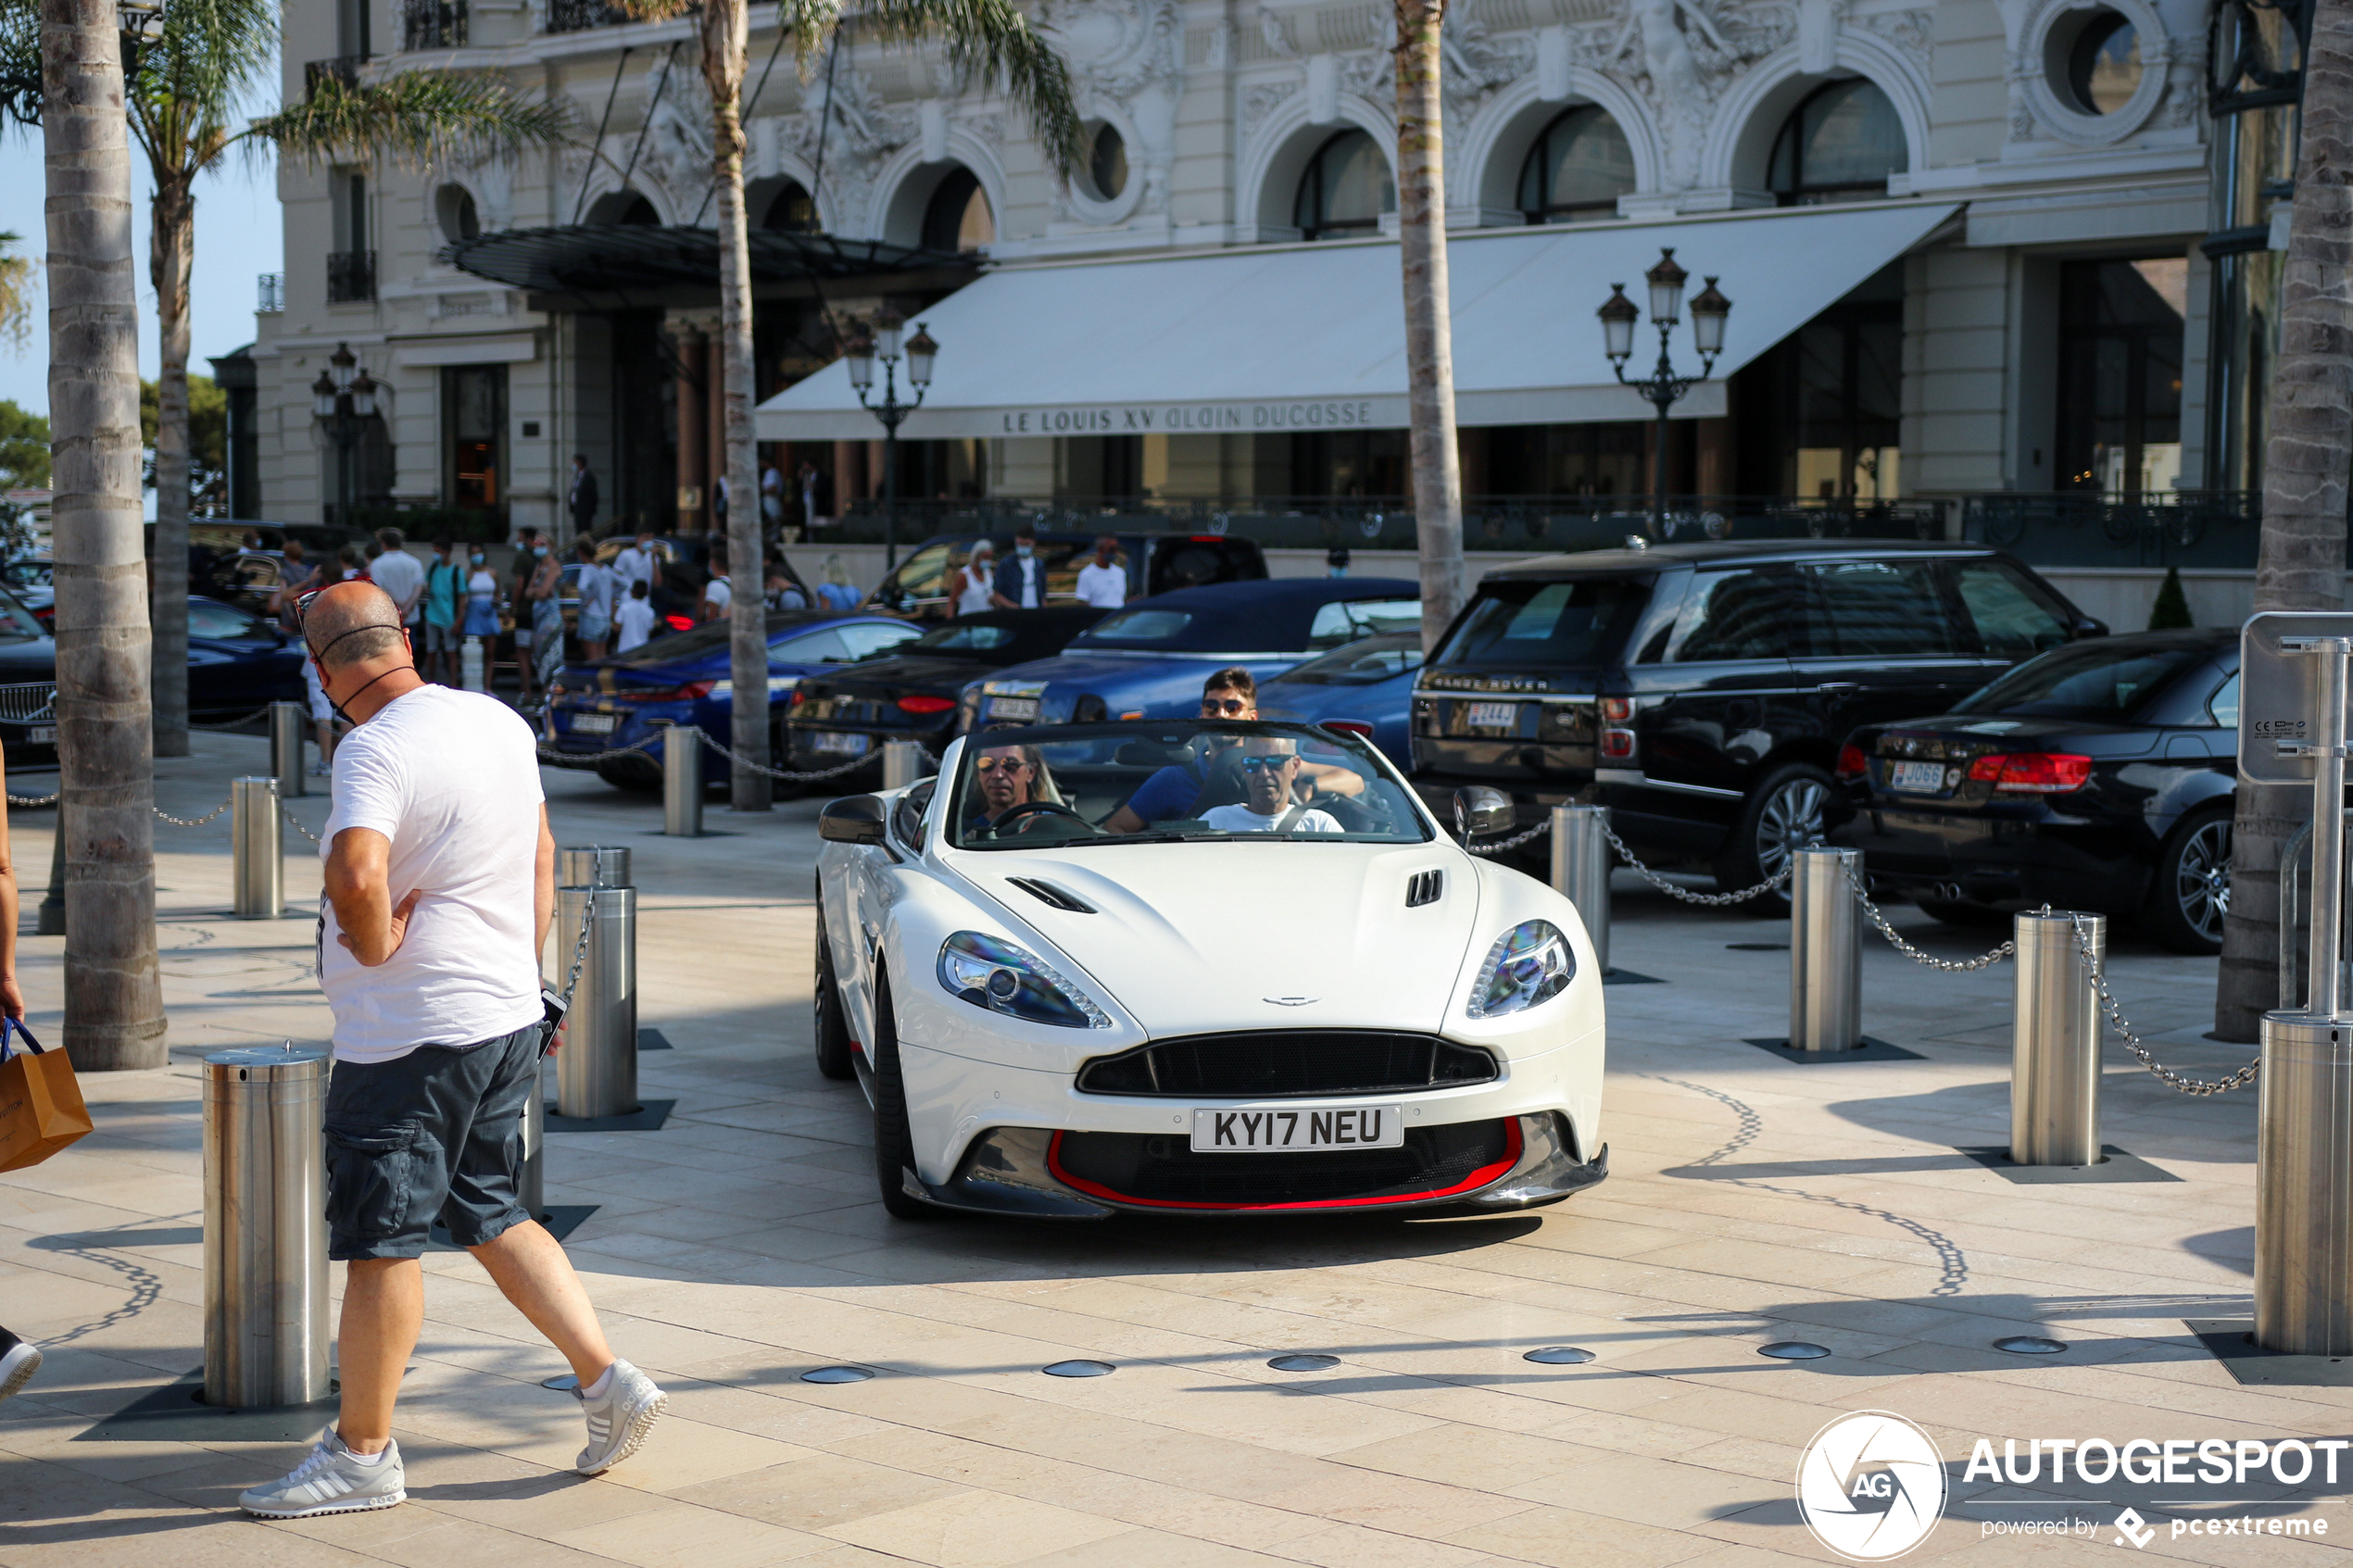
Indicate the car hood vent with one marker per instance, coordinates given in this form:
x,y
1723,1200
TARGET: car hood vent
x,y
1047,893
1424,888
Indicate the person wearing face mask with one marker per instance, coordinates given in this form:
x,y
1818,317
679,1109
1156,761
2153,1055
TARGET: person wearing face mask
x,y
482,603
1020,581
444,588
541,603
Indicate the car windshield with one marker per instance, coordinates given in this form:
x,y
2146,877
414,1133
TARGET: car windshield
x,y
1172,782
1364,663
1580,621
2101,679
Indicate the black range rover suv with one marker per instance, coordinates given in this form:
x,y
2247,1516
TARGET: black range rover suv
x,y
1701,691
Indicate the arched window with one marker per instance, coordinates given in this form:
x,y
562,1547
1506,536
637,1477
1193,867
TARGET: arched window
x,y
624,205
791,210
1578,168
453,206
1107,163
1345,191
1839,145
957,217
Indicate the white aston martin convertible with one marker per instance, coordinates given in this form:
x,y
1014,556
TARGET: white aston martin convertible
x,y
1282,988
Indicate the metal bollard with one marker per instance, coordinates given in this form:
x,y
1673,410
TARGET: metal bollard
x,y
593,865
905,761
257,849
287,721
470,665
597,1069
682,782
2055,1052
2304,1187
531,1187
1580,870
1825,951
265,1226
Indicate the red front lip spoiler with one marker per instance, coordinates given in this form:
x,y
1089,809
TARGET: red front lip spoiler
x,y
1477,1179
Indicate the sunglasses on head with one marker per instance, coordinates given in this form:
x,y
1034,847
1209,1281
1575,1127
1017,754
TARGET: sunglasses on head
x,y
990,764
1232,706
1268,764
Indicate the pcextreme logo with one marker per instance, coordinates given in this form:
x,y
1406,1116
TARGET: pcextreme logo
x,y
1870,1485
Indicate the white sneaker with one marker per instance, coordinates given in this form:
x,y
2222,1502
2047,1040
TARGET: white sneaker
x,y
330,1481
20,1359
619,1421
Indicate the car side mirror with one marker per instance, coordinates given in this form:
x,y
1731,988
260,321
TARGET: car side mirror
x,y
1481,812
2089,626
854,819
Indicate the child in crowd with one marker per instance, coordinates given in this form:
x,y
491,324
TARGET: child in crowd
x,y
635,618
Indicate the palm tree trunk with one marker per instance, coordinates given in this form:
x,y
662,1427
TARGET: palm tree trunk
x,y
114,1000
173,244
1430,337
724,30
2300,561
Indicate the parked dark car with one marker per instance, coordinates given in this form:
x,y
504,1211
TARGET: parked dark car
x,y
1701,691
237,660
912,692
603,710
1157,563
2098,776
1365,688
1148,660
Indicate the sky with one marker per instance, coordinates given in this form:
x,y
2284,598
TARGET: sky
x,y
238,236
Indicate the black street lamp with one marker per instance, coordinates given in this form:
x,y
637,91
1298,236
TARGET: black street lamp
x,y
861,352
345,399
1662,388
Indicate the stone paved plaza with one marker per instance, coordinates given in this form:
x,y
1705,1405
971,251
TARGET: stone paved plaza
x,y
1750,1200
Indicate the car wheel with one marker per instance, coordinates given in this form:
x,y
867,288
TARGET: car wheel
x,y
832,1023
2191,892
1786,813
894,1142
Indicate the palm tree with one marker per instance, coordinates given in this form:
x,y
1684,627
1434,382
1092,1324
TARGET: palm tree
x,y
984,39
1430,341
2300,560
114,997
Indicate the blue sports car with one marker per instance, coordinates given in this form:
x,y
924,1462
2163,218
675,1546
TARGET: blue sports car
x,y
1149,660
1365,688
604,709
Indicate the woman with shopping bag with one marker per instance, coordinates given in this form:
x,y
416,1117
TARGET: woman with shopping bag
x,y
40,1108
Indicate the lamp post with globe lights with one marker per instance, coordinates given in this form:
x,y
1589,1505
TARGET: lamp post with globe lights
x,y
884,344
1662,388
345,399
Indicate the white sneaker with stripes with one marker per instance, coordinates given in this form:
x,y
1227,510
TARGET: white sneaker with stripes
x,y
330,1481
20,1359
619,1419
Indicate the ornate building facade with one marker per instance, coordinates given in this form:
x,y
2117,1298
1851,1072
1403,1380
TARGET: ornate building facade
x,y
2041,327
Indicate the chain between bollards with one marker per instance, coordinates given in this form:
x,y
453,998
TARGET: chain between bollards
x,y
1871,913
2164,1074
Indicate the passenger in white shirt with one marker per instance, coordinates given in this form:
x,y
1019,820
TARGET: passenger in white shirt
x,y
1269,765
1103,581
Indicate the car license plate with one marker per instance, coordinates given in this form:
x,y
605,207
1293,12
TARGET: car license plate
x,y
1495,715
41,735
1918,778
847,744
1240,1132
593,723
1012,707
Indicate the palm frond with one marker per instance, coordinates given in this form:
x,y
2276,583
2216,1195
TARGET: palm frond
x,y
212,56
417,118
16,291
992,38
20,60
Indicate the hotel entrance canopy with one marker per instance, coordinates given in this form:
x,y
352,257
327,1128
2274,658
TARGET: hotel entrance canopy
x,y
1311,337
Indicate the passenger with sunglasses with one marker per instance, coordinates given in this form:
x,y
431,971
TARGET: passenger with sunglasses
x,y
1270,764
1174,791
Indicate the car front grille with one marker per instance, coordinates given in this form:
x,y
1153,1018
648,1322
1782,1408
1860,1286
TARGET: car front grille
x,y
1159,1172
1276,1064
23,703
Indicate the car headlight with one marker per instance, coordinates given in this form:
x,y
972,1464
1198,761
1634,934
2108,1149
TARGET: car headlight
x,y
1002,977
1527,964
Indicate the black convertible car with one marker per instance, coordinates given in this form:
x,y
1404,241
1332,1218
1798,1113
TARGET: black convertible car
x,y
2097,776
916,692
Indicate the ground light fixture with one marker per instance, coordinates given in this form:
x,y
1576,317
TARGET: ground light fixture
x,y
1793,1350
1664,387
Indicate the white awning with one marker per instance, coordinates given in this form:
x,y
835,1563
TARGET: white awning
x,y
1312,336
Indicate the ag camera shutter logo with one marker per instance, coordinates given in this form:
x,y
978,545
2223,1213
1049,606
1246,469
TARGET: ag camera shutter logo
x,y
1870,1485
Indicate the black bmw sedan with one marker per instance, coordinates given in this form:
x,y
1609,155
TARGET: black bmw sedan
x,y
2097,776
914,693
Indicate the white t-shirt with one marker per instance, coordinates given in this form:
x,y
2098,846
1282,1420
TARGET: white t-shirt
x,y
595,590
635,620
632,565
717,593
403,576
452,778
1242,819
1106,587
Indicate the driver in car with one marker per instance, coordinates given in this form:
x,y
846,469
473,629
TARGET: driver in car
x,y
1270,763
1009,777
